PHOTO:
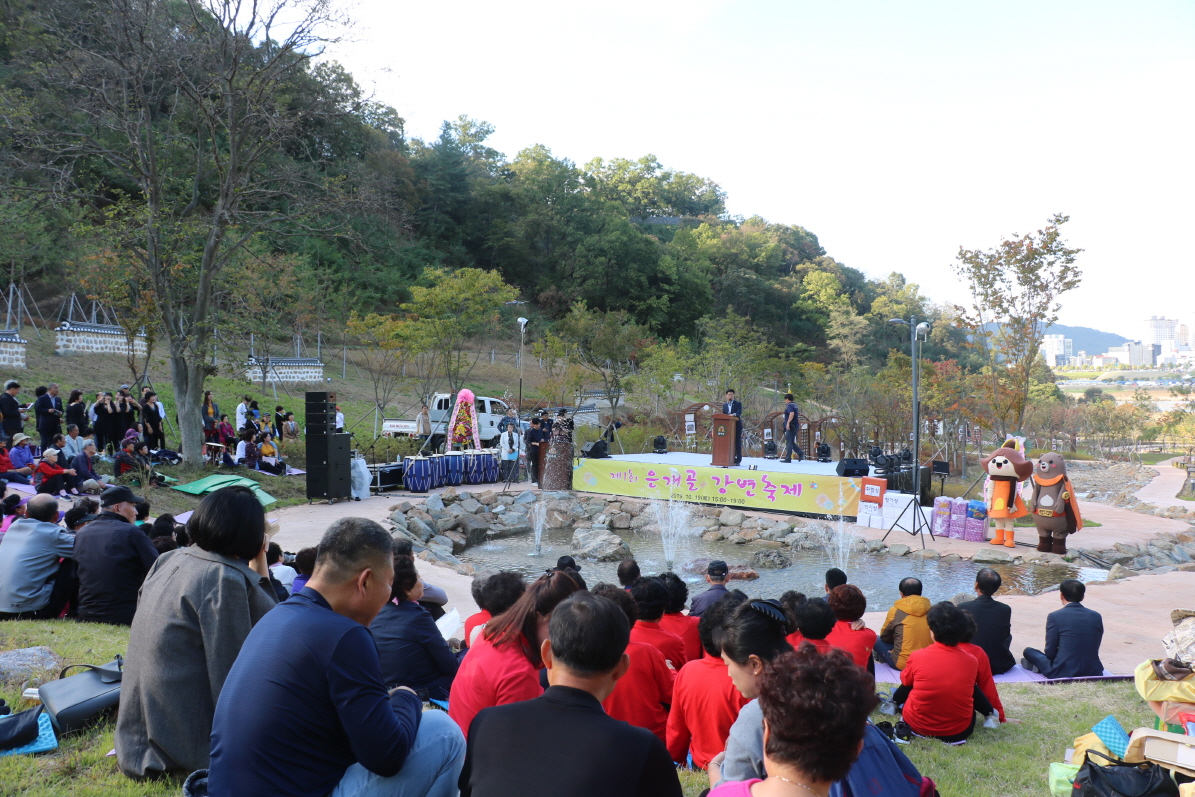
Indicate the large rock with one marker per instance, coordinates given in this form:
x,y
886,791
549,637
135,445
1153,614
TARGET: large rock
x,y
456,510
899,549
737,572
713,535
420,529
473,528
433,503
459,542
769,559
927,553
599,544
402,507
698,522
438,556
621,521
557,519
446,523
875,546
526,497
450,495
488,498
398,519
731,517
24,663
1119,571
992,556
498,532
470,505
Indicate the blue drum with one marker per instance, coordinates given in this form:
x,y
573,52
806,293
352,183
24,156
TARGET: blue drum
x,y
491,466
437,461
455,461
417,474
474,467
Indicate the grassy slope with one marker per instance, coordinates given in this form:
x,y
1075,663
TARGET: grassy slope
x,y
1011,761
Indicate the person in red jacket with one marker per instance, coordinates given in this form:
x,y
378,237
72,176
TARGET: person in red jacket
x,y
815,620
642,696
705,702
939,686
987,684
674,618
503,664
50,478
493,596
848,604
651,597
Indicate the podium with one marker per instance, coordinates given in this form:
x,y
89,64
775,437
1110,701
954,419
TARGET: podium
x,y
724,434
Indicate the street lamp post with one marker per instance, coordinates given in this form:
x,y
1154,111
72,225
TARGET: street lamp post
x,y
522,335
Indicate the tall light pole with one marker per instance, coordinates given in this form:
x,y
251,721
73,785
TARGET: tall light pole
x,y
522,335
917,332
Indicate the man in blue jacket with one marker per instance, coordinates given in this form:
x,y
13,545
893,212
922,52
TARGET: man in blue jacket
x,y
304,711
1073,636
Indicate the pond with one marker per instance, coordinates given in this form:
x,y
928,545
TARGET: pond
x,y
876,574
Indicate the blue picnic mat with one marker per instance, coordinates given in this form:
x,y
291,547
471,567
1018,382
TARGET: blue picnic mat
x,y
45,741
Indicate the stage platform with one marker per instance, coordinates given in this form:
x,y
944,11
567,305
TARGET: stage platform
x,y
808,488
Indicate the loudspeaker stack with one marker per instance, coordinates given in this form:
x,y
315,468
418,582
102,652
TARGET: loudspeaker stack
x,y
327,452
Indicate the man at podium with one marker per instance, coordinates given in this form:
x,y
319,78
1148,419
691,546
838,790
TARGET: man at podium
x,y
735,408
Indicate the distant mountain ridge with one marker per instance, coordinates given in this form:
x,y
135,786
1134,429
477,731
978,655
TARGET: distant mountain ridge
x,y
1092,341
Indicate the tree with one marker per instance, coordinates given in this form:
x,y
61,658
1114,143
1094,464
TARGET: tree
x,y
193,113
1014,292
383,354
453,309
122,285
605,344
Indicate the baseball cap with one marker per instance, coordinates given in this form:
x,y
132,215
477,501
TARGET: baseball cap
x,y
567,561
717,568
118,494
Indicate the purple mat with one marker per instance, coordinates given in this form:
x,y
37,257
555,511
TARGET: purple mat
x,y
23,488
1018,674
183,518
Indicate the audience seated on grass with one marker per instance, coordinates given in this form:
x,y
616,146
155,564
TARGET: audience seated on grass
x,y
994,621
716,573
304,712
284,573
410,647
503,664
814,620
705,702
37,573
675,621
642,696
848,604
905,629
196,608
939,687
651,598
987,684
304,565
434,598
1073,637
13,508
80,514
815,711
113,557
10,472
51,478
86,478
563,742
750,638
494,595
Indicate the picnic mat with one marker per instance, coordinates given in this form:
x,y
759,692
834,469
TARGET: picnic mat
x,y
1018,674
214,482
45,738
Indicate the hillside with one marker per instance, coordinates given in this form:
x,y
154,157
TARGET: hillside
x,y
1092,341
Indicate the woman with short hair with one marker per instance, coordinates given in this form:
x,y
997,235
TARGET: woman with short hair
x,y
196,608
412,650
848,604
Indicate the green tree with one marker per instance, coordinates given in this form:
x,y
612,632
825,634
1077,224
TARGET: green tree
x,y
606,345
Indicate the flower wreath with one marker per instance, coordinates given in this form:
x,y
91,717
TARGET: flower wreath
x,y
463,424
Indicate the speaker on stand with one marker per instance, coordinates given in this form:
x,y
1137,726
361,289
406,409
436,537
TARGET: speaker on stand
x,y
328,453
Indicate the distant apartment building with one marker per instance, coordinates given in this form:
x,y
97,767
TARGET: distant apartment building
x,y
1182,336
1133,353
1057,350
1162,329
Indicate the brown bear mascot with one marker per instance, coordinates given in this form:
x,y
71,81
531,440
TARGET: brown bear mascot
x,y
1055,510
1006,469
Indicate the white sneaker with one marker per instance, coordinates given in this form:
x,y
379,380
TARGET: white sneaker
x,y
992,720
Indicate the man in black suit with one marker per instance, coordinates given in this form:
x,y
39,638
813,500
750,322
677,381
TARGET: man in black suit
x,y
13,420
48,409
735,408
994,620
564,742
1073,636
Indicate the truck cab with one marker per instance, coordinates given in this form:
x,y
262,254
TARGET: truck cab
x,y
489,412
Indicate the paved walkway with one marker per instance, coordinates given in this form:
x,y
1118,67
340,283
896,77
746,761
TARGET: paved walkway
x,y
1161,491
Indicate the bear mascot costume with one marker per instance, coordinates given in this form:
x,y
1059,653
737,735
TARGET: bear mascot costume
x,y
1055,510
1006,469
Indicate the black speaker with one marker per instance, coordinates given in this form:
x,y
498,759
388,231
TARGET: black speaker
x,y
328,466
770,451
319,421
595,450
661,444
852,467
316,395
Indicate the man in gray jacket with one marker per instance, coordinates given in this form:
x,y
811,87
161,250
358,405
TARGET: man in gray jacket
x,y
36,571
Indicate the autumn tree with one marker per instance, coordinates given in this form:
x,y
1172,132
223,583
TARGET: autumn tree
x,y
1015,290
606,345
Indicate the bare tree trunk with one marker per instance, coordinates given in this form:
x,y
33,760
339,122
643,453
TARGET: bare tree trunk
x,y
188,381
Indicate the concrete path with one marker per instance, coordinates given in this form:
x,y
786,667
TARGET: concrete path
x,y
1161,491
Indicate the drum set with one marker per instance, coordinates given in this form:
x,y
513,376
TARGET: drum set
x,y
421,474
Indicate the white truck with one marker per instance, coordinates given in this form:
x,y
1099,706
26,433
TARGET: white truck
x,y
489,412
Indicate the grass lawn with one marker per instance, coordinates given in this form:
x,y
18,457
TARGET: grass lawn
x,y
1010,761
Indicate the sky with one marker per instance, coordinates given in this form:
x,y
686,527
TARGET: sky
x,y
896,132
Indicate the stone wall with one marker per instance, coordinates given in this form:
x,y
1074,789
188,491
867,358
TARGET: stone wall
x,y
291,371
74,339
12,351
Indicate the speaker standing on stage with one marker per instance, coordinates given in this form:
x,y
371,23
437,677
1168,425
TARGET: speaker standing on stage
x,y
791,419
735,408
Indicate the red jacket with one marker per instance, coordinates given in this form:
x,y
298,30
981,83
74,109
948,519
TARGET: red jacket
x,y
5,462
491,676
668,643
44,470
795,639
858,644
685,627
943,679
704,706
642,696
481,618
987,684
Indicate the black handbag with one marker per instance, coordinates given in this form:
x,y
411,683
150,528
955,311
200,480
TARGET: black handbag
x,y
72,702
19,729
1119,779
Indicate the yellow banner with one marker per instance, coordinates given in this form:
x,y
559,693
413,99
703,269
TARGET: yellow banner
x,y
748,489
